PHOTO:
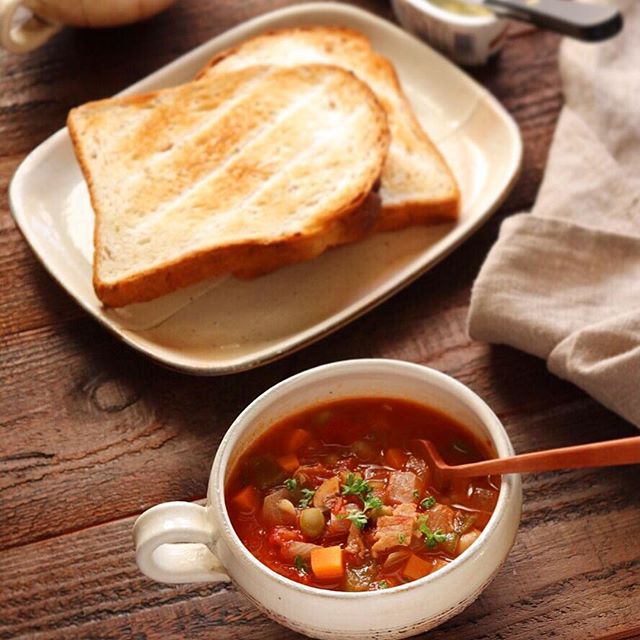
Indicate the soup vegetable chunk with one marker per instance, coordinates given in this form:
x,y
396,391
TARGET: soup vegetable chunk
x,y
340,497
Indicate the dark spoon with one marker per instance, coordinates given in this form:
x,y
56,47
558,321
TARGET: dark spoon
x,y
591,22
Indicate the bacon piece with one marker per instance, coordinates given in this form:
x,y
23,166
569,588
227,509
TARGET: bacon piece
x,y
289,550
391,532
407,509
402,487
440,518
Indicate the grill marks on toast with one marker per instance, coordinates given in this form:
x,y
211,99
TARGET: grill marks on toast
x,y
150,151
417,186
250,171
279,180
229,145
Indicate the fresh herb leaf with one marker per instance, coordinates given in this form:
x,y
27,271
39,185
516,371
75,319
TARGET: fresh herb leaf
x,y
383,584
358,518
416,494
402,538
372,503
355,485
307,497
291,484
427,503
431,538
301,565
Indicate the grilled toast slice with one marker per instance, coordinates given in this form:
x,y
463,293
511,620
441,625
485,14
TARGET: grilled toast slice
x,y
417,186
239,173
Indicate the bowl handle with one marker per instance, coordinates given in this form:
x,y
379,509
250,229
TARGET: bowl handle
x,y
173,544
33,33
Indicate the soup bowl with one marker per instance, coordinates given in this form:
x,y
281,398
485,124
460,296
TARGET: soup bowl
x,y
178,542
49,16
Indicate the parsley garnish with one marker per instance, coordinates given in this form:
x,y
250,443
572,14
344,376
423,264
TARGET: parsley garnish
x,y
427,503
431,538
356,486
301,565
358,518
307,497
402,538
291,484
372,503
383,584
416,494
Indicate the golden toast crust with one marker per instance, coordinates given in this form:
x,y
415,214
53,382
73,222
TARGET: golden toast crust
x,y
409,195
262,211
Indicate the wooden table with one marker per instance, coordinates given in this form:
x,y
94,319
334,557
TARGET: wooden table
x,y
93,433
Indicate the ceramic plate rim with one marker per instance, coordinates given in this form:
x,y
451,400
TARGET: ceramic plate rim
x,y
312,333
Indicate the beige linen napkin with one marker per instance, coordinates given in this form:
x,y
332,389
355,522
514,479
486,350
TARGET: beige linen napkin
x,y
563,282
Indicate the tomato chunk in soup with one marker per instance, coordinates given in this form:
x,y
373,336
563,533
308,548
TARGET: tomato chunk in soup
x,y
340,497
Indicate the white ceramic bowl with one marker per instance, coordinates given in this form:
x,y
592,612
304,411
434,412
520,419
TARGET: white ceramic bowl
x,y
468,39
185,542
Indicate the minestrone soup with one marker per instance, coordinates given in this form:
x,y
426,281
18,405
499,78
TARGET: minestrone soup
x,y
340,497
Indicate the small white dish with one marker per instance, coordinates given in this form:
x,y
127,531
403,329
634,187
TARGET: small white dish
x,y
466,38
179,542
228,325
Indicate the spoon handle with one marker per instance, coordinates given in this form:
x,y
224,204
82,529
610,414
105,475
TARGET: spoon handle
x,y
591,22
596,454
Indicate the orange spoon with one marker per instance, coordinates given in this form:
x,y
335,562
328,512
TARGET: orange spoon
x,y
596,454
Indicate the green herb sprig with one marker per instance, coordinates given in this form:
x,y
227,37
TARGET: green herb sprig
x,y
355,485
291,484
431,538
428,502
301,565
307,497
358,518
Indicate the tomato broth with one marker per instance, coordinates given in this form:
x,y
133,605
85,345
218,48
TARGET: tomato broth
x,y
339,496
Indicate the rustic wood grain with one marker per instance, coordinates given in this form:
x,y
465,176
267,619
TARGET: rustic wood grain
x,y
92,433
104,595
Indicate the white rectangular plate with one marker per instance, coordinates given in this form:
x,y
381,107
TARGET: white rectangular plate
x,y
228,325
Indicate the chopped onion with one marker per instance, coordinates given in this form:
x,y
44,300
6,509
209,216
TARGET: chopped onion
x,y
463,521
302,549
396,557
275,510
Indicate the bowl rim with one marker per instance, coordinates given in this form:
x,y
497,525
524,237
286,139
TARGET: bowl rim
x,y
509,486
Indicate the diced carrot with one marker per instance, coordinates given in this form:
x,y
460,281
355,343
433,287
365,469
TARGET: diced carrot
x,y
416,568
298,438
247,499
395,458
327,563
289,462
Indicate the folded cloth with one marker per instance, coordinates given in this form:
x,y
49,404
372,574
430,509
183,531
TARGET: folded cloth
x,y
563,282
